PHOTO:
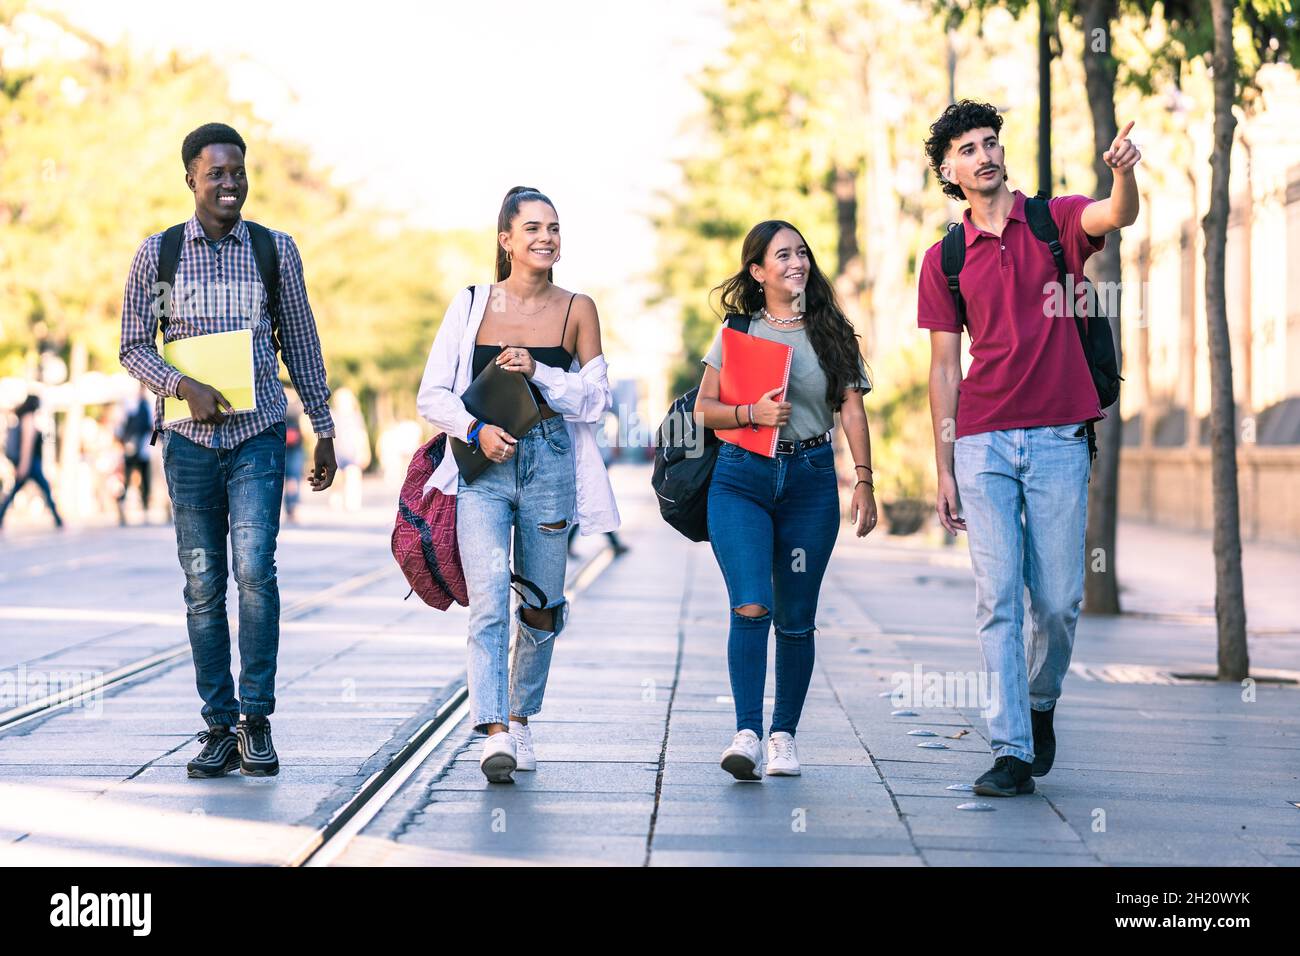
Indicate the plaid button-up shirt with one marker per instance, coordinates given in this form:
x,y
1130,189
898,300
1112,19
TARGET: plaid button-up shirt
x,y
218,289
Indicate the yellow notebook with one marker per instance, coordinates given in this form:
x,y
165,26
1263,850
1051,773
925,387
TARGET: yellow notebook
x,y
223,360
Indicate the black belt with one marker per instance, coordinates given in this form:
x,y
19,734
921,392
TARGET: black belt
x,y
788,446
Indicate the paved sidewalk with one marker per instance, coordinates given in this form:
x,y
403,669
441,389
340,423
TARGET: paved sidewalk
x,y
1151,769
638,712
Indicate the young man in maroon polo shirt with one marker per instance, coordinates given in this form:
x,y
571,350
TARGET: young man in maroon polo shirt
x,y
1015,445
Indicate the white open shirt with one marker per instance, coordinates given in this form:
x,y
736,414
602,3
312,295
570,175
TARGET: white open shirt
x,y
580,395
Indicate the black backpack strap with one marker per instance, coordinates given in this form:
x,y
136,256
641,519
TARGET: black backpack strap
x,y
952,255
1039,216
268,267
541,595
169,254
739,322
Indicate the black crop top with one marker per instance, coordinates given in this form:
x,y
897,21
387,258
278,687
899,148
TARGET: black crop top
x,y
556,355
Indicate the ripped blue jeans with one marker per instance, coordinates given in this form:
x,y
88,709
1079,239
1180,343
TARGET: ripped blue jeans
x,y
772,524
234,494
530,498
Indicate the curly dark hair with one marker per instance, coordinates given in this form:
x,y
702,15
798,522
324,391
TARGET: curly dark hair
x,y
957,119
829,330
209,134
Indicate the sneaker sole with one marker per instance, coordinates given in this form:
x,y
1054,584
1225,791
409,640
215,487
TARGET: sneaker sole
x,y
195,773
783,773
987,790
200,773
259,771
498,768
740,767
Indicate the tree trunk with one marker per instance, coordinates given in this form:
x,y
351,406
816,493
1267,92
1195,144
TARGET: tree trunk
x,y
1229,600
1101,587
850,267
1046,11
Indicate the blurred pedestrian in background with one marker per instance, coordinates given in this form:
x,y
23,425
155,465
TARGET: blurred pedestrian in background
x,y
23,447
134,433
294,459
352,446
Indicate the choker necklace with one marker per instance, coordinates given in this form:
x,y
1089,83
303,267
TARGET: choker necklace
x,y
790,321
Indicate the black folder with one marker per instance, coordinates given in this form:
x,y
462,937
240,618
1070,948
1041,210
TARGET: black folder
x,y
495,397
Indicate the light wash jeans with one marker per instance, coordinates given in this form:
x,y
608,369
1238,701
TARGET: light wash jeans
x,y
536,487
1024,494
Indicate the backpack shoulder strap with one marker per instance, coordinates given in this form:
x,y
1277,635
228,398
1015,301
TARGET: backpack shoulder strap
x,y
952,255
169,254
1043,226
738,322
1039,216
268,267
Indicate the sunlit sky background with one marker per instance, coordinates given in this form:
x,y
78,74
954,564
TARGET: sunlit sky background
x,y
439,108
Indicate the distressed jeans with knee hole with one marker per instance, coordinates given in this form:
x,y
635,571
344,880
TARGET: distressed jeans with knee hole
x,y
528,501
1024,495
772,525
234,494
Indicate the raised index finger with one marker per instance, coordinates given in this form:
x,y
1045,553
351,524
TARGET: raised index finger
x,y
1124,132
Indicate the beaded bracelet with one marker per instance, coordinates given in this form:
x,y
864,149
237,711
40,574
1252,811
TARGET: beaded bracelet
x,y
865,482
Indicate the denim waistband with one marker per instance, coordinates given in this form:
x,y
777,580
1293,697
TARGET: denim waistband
x,y
547,426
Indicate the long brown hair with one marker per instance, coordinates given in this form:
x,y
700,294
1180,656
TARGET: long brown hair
x,y
829,330
509,210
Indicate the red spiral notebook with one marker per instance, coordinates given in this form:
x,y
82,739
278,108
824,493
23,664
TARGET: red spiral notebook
x,y
751,367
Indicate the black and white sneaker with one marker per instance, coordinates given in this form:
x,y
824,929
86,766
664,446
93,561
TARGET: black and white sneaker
x,y
219,756
256,752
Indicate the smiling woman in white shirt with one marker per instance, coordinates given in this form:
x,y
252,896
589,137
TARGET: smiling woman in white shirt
x,y
537,484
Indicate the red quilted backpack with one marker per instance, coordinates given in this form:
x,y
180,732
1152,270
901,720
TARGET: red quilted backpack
x,y
424,536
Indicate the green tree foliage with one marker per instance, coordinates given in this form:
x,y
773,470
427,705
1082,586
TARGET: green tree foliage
x,y
90,138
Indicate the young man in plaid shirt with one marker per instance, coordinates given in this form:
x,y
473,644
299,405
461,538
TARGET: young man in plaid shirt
x,y
228,470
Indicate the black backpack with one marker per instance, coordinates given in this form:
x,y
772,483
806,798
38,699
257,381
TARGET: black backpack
x,y
681,479
268,267
1098,346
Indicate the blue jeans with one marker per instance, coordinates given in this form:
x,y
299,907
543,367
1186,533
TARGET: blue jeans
x,y
534,489
1024,493
210,489
772,525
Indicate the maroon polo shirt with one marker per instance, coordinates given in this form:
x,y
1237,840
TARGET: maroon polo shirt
x,y
1027,369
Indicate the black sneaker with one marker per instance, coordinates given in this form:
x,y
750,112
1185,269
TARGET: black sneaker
x,y
1044,740
1008,777
256,752
219,756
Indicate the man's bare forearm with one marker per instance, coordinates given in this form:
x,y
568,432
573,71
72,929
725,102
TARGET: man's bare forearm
x,y
943,416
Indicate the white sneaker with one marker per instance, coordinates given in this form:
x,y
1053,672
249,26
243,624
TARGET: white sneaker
x,y
782,759
525,759
743,758
498,759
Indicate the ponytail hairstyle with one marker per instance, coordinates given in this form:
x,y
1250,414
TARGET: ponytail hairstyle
x,y
829,330
509,210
